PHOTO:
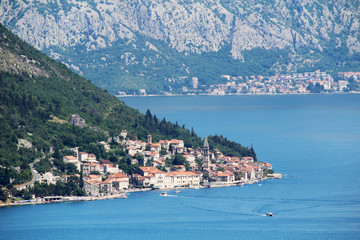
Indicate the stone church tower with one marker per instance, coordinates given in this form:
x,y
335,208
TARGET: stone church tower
x,y
206,157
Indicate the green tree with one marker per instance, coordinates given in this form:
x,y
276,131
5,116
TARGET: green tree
x,y
239,175
163,151
178,159
3,195
71,169
81,180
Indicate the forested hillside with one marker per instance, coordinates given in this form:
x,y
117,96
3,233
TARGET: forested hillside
x,y
38,95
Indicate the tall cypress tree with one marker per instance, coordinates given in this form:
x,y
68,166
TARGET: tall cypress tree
x,y
81,183
7,176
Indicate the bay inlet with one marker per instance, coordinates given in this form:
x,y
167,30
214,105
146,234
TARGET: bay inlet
x,y
313,140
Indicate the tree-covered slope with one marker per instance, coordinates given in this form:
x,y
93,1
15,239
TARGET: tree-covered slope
x,y
38,95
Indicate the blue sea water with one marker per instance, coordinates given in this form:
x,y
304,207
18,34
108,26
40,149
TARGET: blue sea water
x,y
314,139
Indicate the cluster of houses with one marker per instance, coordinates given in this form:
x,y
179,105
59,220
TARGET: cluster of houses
x,y
296,83
100,177
204,168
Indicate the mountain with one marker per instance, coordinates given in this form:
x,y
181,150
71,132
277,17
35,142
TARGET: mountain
x,y
37,97
159,45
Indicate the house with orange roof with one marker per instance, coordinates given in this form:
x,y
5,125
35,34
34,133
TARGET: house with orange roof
x,y
247,159
267,165
92,187
119,181
155,156
193,165
74,160
223,176
155,147
92,167
165,144
182,179
93,177
111,168
177,143
133,150
144,171
141,180
250,170
198,154
118,175
151,177
191,151
91,158
219,154
85,157
181,149
157,163
104,161
231,162
189,157
105,187
180,168
134,144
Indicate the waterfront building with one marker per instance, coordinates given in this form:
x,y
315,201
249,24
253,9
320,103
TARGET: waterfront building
x,y
153,177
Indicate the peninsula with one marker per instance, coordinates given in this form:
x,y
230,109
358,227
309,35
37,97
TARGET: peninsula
x,y
167,164
62,138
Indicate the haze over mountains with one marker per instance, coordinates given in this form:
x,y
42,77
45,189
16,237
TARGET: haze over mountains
x,y
158,45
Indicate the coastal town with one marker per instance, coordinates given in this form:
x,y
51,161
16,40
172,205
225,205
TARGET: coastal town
x,y
295,83
200,168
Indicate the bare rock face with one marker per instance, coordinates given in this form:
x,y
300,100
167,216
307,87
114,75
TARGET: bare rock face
x,y
195,26
188,26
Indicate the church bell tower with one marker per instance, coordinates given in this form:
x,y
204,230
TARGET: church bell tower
x,y
206,156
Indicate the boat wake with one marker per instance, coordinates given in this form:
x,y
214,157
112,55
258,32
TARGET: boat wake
x,y
225,212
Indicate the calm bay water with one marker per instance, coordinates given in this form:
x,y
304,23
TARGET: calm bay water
x,y
313,139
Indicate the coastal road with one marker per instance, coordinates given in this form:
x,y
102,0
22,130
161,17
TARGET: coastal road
x,y
36,175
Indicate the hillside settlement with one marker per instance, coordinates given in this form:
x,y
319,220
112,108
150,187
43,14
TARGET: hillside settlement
x,y
202,168
295,83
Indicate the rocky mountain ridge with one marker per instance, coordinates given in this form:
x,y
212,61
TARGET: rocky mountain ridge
x,y
138,38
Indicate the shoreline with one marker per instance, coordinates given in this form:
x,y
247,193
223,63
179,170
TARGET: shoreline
x,y
123,195
241,94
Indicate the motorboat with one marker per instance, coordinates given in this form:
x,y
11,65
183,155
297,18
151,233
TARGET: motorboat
x,y
269,214
164,194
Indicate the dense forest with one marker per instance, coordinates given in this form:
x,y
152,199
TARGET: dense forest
x,y
38,95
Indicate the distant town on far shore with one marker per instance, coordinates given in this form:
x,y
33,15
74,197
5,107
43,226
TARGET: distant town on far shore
x,y
296,83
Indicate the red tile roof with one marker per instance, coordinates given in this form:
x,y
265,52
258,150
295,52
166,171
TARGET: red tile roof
x,y
150,170
118,175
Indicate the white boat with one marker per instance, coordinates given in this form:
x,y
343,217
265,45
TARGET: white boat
x,y
178,191
269,214
163,194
